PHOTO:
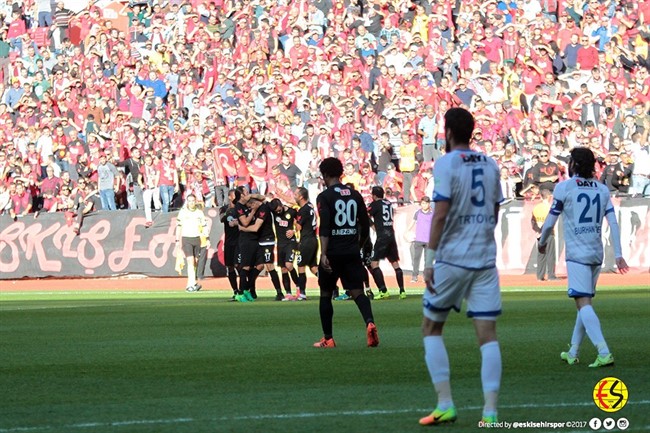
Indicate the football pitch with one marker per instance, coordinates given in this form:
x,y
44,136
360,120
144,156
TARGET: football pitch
x,y
175,362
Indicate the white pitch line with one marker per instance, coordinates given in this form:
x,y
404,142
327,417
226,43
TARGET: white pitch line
x,y
276,416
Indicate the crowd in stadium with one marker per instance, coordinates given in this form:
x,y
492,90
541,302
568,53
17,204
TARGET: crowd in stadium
x,y
200,96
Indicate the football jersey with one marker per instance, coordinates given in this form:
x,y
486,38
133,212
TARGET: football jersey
x,y
583,203
265,232
284,221
231,233
381,212
241,210
343,219
307,219
470,182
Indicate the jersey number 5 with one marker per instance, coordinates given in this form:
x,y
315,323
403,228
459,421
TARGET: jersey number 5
x,y
478,190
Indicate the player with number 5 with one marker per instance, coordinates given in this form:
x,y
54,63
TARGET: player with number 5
x,y
467,195
585,202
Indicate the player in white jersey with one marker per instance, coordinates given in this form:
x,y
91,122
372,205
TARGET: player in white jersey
x,y
584,202
467,195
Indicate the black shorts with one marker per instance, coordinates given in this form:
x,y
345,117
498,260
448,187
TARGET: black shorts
x,y
265,254
247,253
191,246
307,253
349,269
230,254
286,253
385,248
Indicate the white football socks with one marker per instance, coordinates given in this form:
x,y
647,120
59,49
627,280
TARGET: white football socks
x,y
435,356
592,326
490,375
578,335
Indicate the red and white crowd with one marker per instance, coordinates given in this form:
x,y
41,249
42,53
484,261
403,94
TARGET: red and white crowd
x,y
201,96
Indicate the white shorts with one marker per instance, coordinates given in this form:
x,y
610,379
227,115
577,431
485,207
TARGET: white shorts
x,y
582,279
453,284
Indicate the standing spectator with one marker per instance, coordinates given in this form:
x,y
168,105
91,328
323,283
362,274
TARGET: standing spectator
x,y
344,227
62,17
150,190
167,178
50,188
190,225
585,203
422,223
86,201
427,130
133,171
546,173
546,260
408,165
21,202
467,183
108,182
612,173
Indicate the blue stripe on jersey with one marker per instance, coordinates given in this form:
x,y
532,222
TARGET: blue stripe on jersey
x,y
558,207
439,197
610,210
429,306
483,313
575,294
465,267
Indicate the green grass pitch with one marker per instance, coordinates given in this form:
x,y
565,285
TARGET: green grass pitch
x,y
177,362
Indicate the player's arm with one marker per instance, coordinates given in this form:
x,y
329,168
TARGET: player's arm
x,y
621,264
245,220
363,220
440,212
252,227
324,232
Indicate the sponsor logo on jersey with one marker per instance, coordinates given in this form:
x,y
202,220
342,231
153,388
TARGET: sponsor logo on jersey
x,y
473,157
586,183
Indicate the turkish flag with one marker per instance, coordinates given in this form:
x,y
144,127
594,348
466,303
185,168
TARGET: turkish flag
x,y
224,163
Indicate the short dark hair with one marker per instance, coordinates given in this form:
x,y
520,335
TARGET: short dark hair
x,y
275,203
302,192
461,124
377,191
331,167
583,162
236,193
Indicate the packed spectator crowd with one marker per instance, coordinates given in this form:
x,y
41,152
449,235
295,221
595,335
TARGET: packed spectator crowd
x,y
200,96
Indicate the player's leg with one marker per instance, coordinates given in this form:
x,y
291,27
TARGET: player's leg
x,y
437,361
190,260
484,305
393,258
326,283
352,271
451,284
582,287
550,258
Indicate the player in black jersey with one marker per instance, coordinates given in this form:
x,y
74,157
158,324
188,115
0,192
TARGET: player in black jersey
x,y
381,217
344,226
285,231
263,226
231,238
308,247
247,256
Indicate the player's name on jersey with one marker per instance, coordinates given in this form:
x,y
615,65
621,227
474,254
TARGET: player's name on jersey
x,y
477,219
344,232
586,230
